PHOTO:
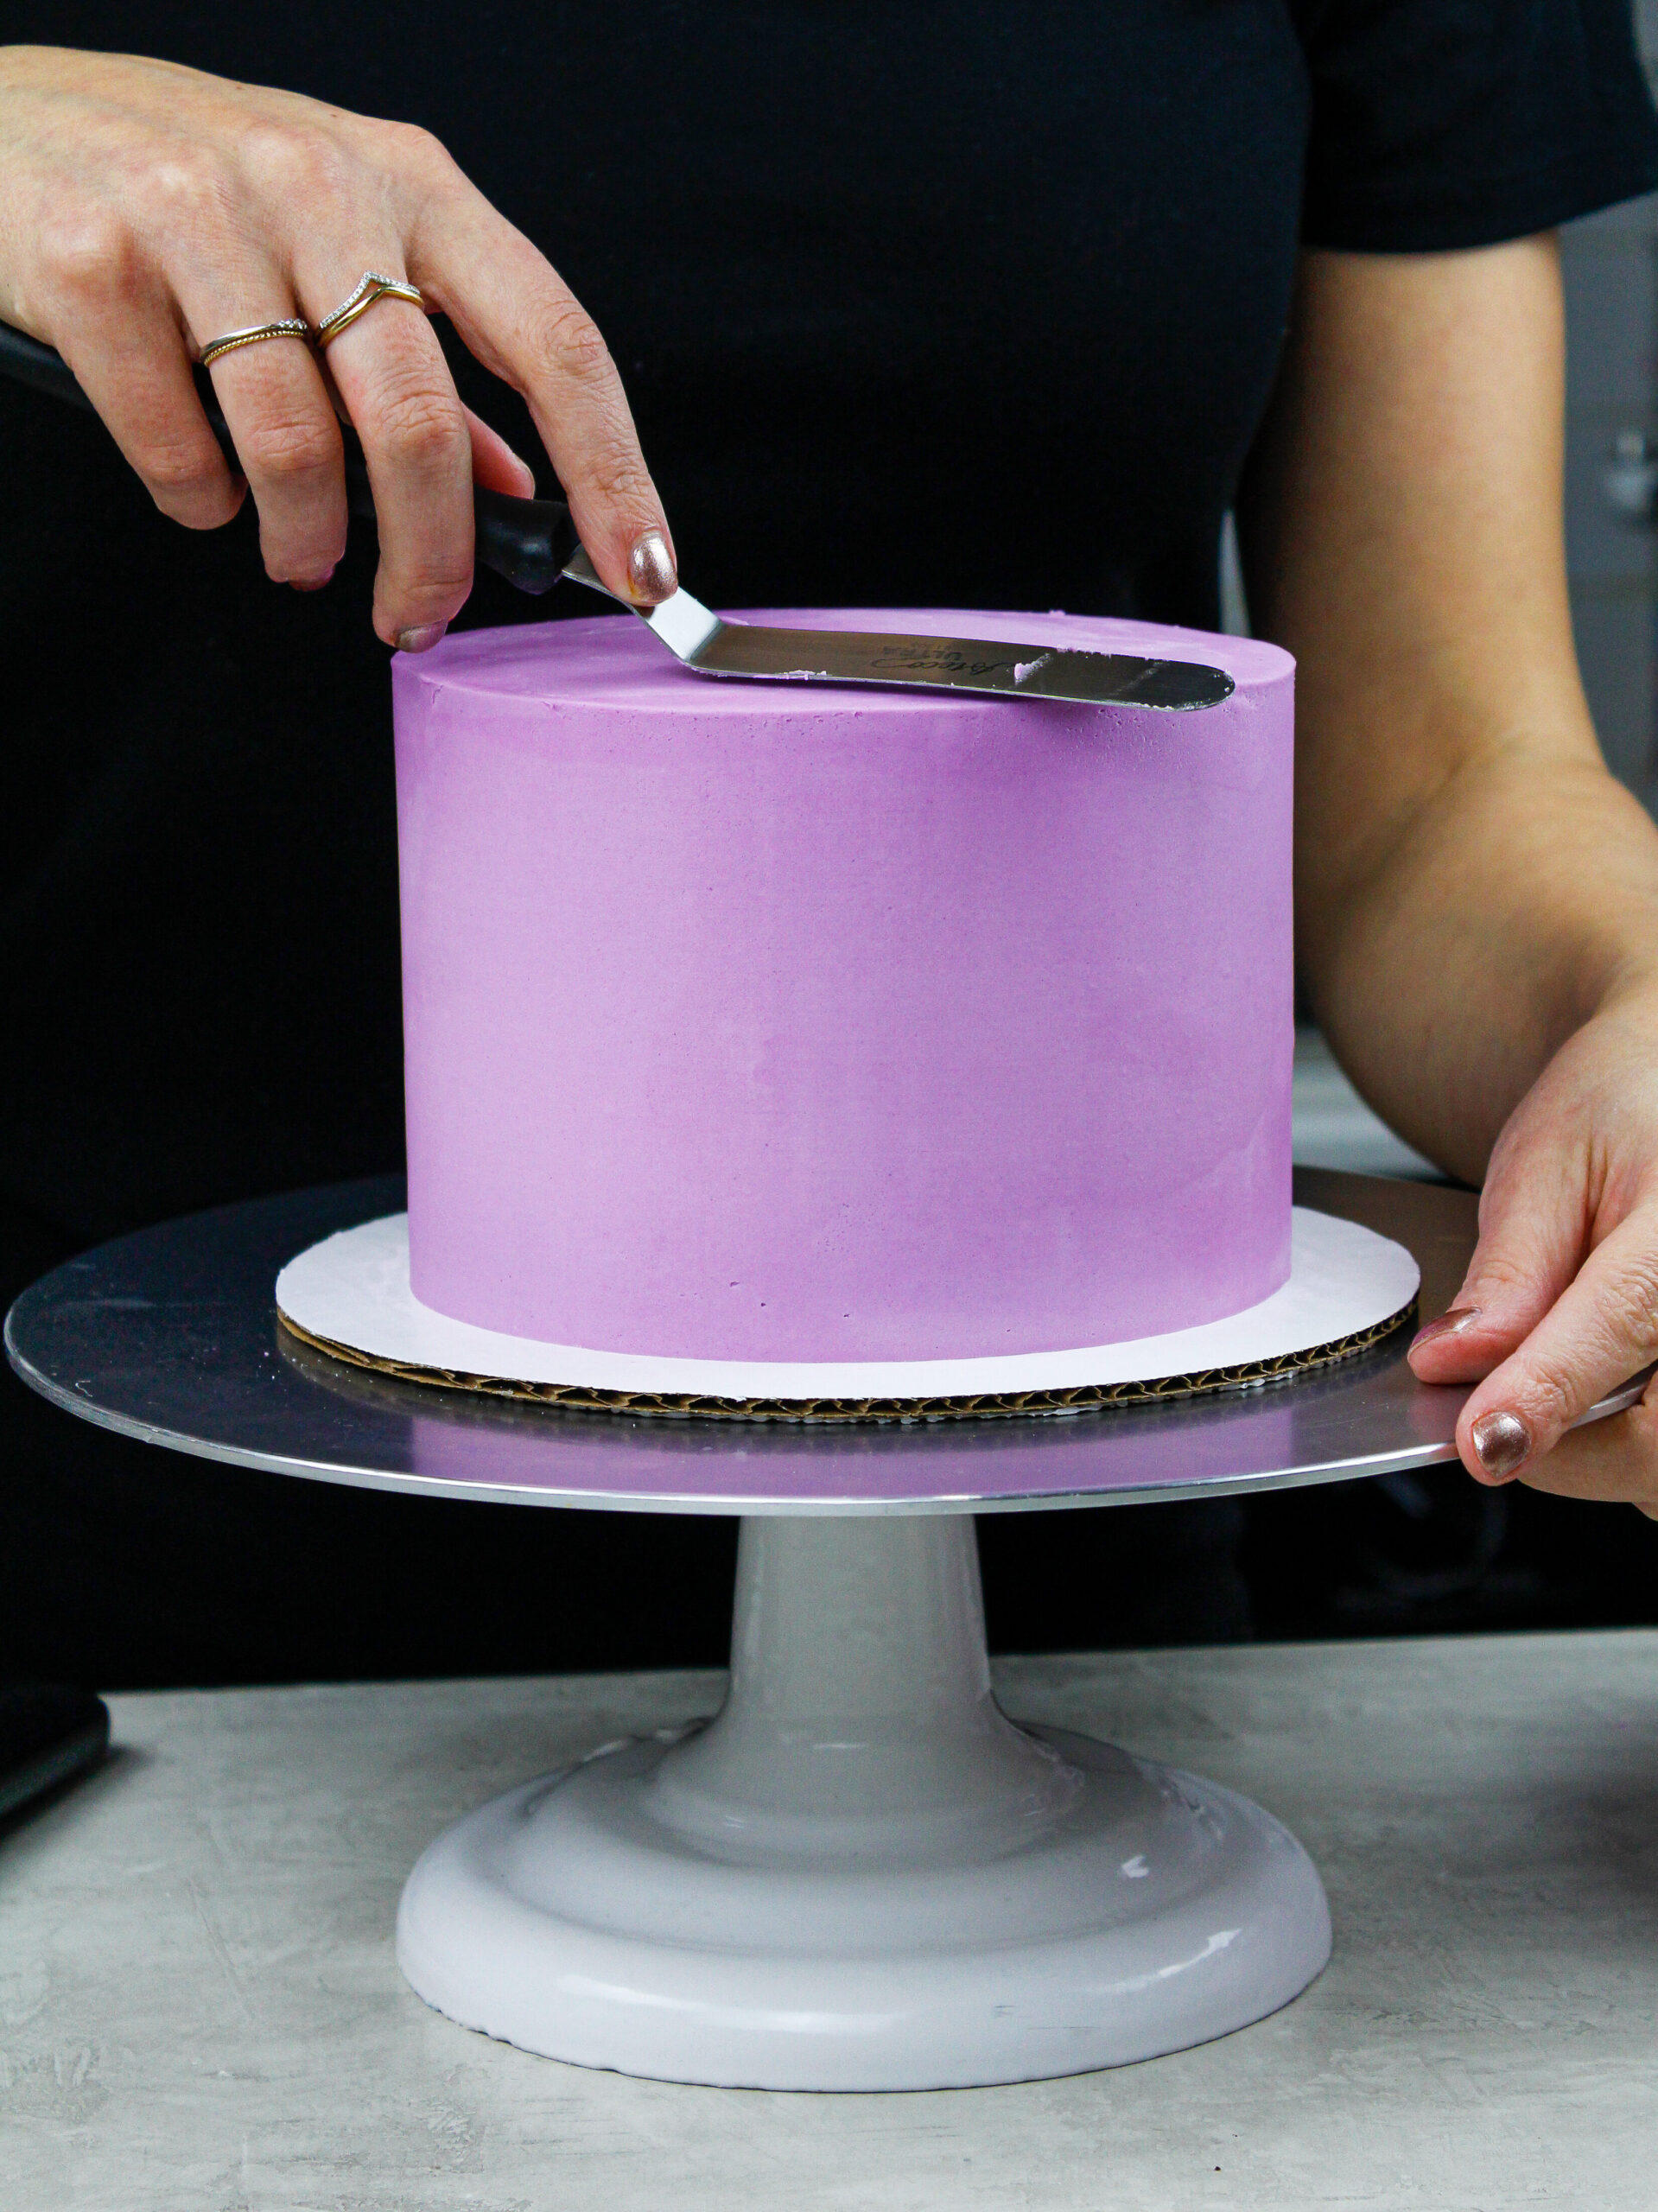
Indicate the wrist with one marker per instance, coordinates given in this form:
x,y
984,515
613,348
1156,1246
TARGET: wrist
x,y
1617,975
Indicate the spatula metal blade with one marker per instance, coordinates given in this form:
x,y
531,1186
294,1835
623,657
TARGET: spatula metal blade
x,y
972,664
757,651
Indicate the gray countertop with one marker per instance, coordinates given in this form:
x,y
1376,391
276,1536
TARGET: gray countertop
x,y
199,2005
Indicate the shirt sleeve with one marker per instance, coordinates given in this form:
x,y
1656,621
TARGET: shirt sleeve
x,y
1444,123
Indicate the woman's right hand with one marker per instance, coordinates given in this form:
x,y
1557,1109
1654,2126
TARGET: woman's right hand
x,y
146,209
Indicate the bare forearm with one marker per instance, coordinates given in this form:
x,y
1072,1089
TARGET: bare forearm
x,y
1508,907
1471,883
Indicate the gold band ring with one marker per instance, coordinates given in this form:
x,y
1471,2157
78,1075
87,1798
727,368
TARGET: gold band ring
x,y
289,326
372,287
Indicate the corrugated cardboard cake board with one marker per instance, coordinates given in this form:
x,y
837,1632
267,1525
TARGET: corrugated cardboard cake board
x,y
1348,1290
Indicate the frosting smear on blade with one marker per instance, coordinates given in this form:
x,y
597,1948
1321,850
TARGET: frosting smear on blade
x,y
745,1021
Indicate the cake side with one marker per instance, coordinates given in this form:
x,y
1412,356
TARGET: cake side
x,y
771,1022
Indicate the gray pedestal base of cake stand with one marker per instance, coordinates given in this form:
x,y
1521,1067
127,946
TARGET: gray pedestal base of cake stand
x,y
860,1875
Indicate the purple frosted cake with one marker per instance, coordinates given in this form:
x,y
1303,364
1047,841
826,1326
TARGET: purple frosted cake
x,y
766,1022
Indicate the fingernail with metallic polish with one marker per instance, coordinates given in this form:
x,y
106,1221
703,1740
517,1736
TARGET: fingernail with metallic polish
x,y
311,583
651,574
1502,1444
1451,1324
418,641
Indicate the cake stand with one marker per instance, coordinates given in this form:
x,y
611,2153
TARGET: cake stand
x,y
860,1875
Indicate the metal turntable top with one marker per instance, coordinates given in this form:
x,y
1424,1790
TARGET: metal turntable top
x,y
171,1336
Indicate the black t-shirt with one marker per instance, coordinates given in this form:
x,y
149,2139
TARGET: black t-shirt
x,y
959,305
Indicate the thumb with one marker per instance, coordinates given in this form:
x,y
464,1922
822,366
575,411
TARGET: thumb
x,y
1534,1233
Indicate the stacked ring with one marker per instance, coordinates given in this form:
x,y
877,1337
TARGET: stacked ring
x,y
371,288
256,333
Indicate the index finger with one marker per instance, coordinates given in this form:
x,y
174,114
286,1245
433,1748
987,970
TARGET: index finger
x,y
1533,1231
519,318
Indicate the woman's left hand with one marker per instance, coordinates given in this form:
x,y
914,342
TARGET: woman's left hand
x,y
1560,1301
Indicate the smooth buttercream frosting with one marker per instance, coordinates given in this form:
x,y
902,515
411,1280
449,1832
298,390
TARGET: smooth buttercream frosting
x,y
801,1022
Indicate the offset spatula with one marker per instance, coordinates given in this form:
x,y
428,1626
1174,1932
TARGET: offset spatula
x,y
532,543
759,653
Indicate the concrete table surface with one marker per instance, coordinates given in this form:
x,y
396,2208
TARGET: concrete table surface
x,y
199,2005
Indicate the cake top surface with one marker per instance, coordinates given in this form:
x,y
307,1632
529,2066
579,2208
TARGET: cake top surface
x,y
613,660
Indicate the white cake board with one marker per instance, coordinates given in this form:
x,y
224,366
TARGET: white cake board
x,y
351,1292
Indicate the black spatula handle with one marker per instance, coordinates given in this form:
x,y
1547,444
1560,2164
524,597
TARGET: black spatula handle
x,y
526,541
